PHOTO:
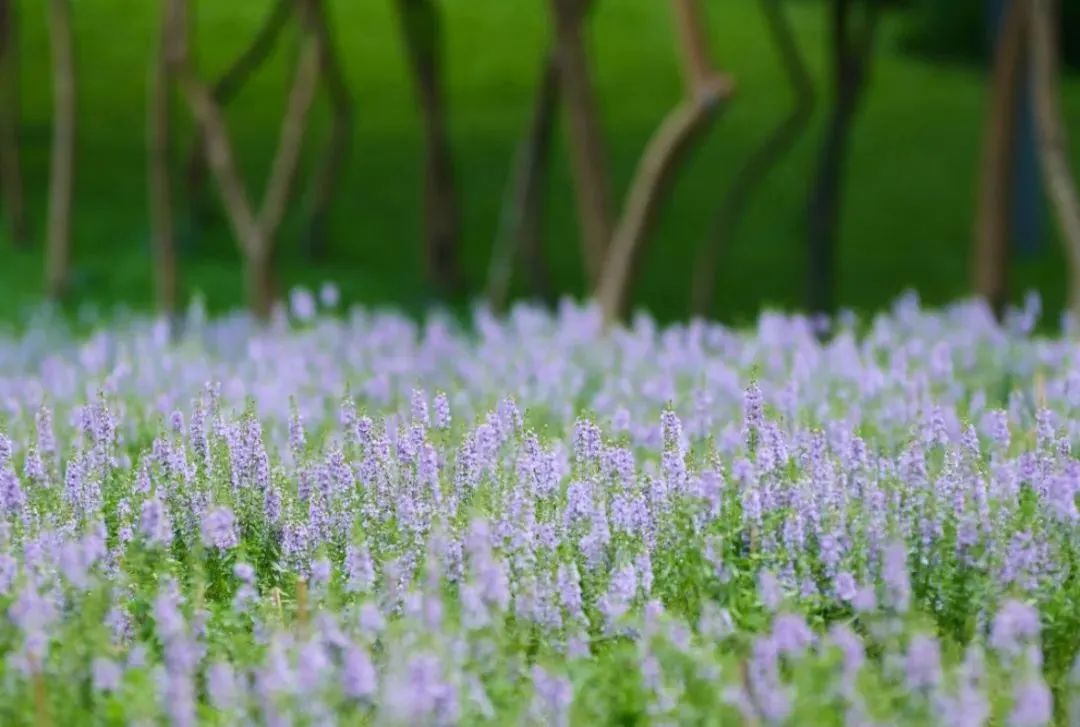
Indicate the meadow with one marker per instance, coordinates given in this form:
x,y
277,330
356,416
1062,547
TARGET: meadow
x,y
355,517
907,217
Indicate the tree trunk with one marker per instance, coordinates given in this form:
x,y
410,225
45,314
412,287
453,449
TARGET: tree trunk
x,y
993,215
255,231
519,224
824,210
159,138
422,30
760,162
280,187
260,284
62,168
706,92
1052,138
587,156
13,202
226,88
851,55
325,178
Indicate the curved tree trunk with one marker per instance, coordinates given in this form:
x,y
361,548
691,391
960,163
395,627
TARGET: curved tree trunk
x,y
706,92
422,29
588,158
996,177
760,162
519,220
158,144
62,166
255,230
851,55
1053,142
224,90
12,203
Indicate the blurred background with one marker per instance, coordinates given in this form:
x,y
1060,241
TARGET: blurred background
x,y
705,156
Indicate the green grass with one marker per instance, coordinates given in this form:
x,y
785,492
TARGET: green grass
x,y
910,184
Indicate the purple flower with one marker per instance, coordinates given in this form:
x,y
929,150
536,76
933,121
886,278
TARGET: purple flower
x,y
219,529
359,679
1033,705
553,697
791,635
769,590
1015,626
154,523
107,674
922,664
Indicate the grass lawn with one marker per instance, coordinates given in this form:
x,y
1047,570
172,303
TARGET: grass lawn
x,y
906,221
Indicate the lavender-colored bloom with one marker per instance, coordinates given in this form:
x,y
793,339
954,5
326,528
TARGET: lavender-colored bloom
x,y
894,573
154,523
1015,626
442,412
769,590
107,674
845,587
359,680
1033,705
219,529
922,664
553,697
791,635
222,686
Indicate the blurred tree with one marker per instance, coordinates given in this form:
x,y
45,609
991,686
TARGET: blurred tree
x,y
255,230
587,155
62,165
422,29
996,176
11,185
705,92
518,234
225,89
158,144
852,30
1053,142
760,162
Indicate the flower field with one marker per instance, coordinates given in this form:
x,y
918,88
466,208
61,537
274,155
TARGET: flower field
x,y
360,519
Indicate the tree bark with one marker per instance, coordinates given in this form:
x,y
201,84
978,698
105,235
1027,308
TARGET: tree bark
x,y
325,178
707,91
994,207
760,162
422,30
62,166
226,88
519,224
255,230
13,204
587,155
162,233
851,54
279,188
1052,137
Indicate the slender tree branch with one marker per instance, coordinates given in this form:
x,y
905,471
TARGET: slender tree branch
x,y
707,92
1052,138
519,220
763,159
11,183
62,164
587,155
993,216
